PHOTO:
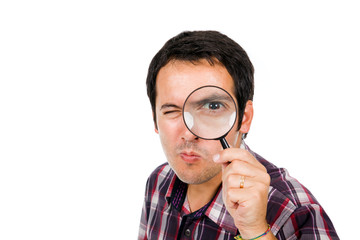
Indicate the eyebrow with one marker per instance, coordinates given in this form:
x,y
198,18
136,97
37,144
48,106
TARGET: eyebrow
x,y
211,98
169,105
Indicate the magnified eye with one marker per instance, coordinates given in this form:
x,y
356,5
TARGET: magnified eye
x,y
209,112
213,105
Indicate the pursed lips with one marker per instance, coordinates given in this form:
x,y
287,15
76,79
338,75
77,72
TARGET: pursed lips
x,y
190,156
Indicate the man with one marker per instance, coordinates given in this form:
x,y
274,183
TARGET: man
x,y
205,192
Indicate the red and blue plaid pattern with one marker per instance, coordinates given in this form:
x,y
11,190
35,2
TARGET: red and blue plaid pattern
x,y
292,213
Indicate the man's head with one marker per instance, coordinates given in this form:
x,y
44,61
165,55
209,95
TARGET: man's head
x,y
213,47
186,62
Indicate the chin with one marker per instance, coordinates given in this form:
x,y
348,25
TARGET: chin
x,y
198,176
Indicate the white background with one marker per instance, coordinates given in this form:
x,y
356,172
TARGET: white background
x,y
76,134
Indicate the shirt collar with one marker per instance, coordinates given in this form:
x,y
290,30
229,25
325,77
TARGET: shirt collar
x,y
215,210
176,193
218,214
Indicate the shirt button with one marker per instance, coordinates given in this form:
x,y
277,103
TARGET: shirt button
x,y
187,232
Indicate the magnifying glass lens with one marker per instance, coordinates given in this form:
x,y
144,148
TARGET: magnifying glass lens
x,y
209,112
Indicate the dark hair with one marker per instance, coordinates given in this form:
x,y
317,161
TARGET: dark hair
x,y
209,45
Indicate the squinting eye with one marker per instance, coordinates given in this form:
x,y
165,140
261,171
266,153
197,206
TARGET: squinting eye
x,y
172,113
168,112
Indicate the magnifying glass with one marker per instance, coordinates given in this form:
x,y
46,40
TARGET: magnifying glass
x,y
209,112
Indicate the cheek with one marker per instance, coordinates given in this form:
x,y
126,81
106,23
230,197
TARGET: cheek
x,y
233,137
169,130
212,147
169,133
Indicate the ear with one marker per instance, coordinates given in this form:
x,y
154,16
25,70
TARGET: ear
x,y
247,117
155,125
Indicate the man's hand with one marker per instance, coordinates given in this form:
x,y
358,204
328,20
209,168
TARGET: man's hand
x,y
246,205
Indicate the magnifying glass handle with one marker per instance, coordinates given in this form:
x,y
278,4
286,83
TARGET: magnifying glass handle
x,y
224,143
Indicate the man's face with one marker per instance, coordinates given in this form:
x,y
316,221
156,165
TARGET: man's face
x,y
189,156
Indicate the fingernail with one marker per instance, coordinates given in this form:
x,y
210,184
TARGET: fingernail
x,y
216,157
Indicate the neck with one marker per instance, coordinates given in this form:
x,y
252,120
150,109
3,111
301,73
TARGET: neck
x,y
200,194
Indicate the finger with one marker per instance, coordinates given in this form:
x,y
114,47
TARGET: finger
x,y
231,154
237,181
238,167
238,197
246,197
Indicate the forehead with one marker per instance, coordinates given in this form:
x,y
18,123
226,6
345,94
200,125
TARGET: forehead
x,y
177,79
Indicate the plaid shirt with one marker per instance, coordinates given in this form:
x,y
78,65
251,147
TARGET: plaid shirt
x,y
292,211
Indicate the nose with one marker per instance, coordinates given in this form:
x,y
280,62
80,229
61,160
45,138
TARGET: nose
x,y
187,135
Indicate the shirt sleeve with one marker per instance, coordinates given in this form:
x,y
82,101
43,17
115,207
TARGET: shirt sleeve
x,y
144,216
308,222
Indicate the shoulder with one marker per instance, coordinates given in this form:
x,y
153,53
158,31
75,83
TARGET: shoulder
x,y
292,208
287,186
162,173
160,179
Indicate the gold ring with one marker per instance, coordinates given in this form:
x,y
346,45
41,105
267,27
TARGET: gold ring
x,y
242,181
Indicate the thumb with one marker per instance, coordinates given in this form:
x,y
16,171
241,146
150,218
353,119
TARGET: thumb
x,y
217,159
